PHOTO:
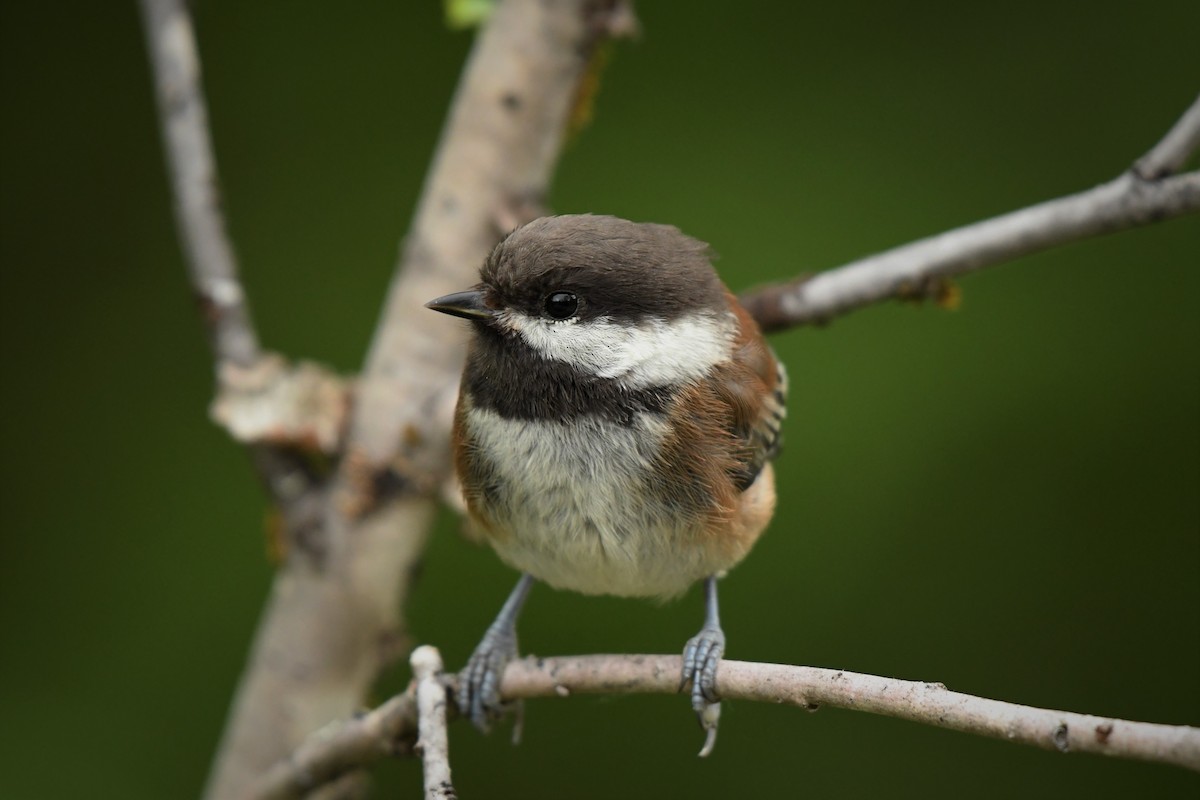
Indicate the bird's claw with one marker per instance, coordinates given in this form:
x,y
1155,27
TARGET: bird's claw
x,y
700,658
479,682
709,718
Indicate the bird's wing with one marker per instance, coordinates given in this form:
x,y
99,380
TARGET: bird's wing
x,y
754,387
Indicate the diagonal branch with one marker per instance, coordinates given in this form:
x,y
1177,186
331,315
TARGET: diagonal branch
x,y
389,729
1142,195
332,625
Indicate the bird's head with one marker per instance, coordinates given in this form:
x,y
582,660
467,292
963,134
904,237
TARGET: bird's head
x,y
637,303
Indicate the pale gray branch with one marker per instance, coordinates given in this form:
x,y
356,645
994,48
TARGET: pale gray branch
x,y
388,729
432,742
330,627
918,701
917,269
212,265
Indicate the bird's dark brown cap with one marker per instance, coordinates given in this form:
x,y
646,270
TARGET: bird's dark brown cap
x,y
622,270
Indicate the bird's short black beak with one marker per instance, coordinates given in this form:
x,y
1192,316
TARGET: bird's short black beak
x,y
468,305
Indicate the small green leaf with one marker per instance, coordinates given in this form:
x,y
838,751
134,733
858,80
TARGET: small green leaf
x,y
462,14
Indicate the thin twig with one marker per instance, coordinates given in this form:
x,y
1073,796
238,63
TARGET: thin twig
x,y
239,360
1172,152
359,742
920,268
212,265
433,743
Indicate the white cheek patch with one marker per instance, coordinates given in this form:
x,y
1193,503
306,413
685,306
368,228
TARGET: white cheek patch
x,y
651,353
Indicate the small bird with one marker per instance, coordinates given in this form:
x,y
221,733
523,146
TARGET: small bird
x,y
617,417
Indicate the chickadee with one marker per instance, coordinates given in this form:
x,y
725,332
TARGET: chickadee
x,y
617,417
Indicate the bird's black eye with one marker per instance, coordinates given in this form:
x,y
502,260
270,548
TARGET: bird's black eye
x,y
561,305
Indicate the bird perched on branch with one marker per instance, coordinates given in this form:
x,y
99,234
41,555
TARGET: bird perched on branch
x,y
615,426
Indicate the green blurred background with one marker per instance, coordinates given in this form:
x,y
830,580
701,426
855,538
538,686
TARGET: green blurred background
x,y
1002,498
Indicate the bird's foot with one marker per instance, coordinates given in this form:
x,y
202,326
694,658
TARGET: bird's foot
x,y
479,682
700,658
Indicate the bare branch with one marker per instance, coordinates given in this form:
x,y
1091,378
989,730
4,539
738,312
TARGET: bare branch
x,y
918,269
387,730
433,743
331,626
1169,155
212,265
917,701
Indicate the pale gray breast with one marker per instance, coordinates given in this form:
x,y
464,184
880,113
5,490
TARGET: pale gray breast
x,y
544,473
574,503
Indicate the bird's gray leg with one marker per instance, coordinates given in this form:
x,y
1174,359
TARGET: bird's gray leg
x,y
700,659
479,682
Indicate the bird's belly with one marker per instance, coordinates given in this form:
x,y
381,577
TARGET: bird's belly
x,y
573,505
